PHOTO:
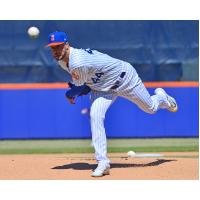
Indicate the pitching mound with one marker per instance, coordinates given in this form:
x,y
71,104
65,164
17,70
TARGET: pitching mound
x,y
168,166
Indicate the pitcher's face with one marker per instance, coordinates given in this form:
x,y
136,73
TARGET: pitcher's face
x,y
59,51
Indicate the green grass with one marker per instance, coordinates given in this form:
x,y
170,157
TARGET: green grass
x,y
84,146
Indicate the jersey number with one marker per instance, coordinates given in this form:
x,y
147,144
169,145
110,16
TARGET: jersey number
x,y
97,78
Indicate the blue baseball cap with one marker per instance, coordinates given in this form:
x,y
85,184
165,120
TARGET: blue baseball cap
x,y
57,38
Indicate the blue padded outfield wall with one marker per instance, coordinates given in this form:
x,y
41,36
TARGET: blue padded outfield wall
x,y
159,50
47,114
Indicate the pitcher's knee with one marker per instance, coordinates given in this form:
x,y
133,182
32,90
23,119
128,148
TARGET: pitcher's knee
x,y
96,116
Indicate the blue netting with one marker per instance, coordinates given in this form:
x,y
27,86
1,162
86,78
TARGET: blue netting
x,y
152,45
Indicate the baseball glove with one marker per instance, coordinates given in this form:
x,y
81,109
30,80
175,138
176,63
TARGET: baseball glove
x,y
76,91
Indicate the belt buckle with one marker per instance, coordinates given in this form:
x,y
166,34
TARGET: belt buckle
x,y
122,74
116,85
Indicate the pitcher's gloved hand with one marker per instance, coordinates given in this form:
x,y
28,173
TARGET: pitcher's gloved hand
x,y
70,99
76,91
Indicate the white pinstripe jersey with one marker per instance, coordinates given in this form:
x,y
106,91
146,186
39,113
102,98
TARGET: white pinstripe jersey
x,y
99,71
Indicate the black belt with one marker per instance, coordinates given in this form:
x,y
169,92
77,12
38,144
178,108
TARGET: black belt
x,y
116,85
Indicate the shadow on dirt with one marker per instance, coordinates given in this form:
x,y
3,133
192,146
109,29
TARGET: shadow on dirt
x,y
86,166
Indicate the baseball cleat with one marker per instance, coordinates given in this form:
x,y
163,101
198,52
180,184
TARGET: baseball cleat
x,y
173,107
101,170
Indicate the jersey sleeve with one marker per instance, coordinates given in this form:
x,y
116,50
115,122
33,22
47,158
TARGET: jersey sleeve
x,y
79,76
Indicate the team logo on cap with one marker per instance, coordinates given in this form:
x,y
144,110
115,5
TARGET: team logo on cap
x,y
52,38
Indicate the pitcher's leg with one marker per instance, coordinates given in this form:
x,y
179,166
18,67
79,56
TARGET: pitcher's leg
x,y
100,104
150,104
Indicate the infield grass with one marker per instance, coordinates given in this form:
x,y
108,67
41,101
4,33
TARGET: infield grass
x,y
84,145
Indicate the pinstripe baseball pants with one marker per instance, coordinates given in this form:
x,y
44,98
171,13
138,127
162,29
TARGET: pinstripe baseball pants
x,y
132,89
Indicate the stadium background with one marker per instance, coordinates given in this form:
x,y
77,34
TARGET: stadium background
x,y
165,53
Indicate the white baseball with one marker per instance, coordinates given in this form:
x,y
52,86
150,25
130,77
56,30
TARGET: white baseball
x,y
33,32
84,111
131,154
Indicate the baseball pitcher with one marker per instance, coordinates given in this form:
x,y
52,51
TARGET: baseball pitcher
x,y
107,78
